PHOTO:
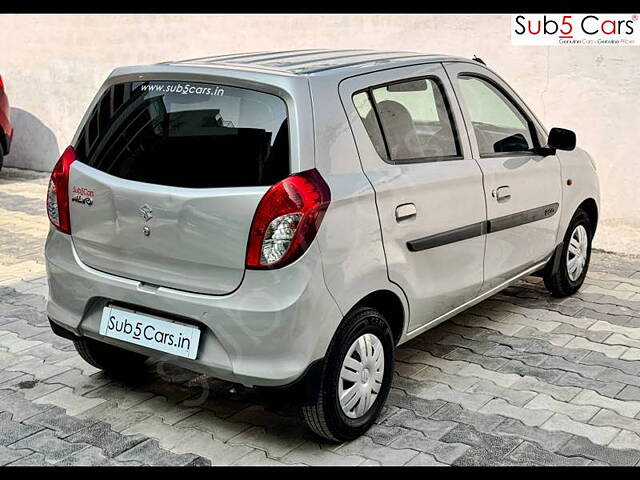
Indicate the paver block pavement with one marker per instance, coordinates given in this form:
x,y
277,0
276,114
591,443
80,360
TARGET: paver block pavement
x,y
520,379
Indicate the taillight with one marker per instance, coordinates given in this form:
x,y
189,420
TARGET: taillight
x,y
287,220
1,83
58,192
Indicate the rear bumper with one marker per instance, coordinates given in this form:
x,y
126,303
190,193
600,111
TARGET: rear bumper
x,y
267,332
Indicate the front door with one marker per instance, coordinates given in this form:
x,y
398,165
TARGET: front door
x,y
415,152
522,188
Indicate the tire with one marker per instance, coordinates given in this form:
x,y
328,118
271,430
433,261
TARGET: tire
x,y
324,413
113,360
1,157
558,278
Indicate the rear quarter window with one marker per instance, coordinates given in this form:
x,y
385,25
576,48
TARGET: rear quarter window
x,y
192,135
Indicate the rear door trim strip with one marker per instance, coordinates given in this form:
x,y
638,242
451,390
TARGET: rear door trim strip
x,y
450,236
482,228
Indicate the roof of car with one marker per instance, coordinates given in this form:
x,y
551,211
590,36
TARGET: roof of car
x,y
304,62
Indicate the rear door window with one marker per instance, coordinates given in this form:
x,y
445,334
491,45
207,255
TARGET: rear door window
x,y
192,135
416,120
370,121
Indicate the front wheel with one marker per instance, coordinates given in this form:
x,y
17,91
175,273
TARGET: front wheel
x,y
356,377
565,275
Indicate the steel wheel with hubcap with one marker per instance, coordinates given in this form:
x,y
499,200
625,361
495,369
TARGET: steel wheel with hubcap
x,y
577,252
361,375
356,377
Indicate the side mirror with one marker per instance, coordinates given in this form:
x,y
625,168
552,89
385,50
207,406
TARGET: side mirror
x,y
561,139
512,143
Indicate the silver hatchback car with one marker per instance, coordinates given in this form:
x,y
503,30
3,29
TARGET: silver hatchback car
x,y
288,218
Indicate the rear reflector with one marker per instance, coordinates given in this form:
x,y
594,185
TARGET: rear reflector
x,y
287,220
58,192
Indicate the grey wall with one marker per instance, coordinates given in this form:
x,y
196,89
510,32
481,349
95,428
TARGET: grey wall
x,y
53,64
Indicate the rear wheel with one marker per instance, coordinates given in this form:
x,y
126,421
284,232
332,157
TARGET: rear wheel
x,y
356,377
1,157
114,360
564,275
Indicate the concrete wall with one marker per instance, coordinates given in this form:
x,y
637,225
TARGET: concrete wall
x,y
53,64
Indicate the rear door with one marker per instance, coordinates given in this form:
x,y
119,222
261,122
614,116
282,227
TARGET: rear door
x,y
522,188
414,149
168,179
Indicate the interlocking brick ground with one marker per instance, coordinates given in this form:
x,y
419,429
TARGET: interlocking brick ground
x,y
520,379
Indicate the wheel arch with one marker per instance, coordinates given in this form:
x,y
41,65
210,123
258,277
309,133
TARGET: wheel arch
x,y
390,305
591,208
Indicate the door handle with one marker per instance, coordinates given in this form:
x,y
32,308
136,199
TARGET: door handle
x,y
502,194
406,211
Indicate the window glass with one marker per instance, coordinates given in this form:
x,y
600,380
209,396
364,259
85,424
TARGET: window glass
x,y
421,107
370,122
192,135
498,124
416,120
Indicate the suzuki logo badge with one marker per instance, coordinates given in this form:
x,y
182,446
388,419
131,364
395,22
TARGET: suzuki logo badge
x,y
146,212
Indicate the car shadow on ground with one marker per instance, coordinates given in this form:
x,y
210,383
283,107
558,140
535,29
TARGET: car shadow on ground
x,y
191,391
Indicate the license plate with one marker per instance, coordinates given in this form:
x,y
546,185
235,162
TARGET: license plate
x,y
149,331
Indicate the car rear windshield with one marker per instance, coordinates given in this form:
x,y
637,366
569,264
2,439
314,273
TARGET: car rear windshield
x,y
192,135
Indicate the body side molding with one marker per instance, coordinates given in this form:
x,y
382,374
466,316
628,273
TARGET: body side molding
x,y
522,218
483,228
450,236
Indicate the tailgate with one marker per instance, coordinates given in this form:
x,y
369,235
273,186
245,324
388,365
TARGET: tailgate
x,y
168,177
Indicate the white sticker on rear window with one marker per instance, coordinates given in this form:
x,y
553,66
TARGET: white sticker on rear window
x,y
184,89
